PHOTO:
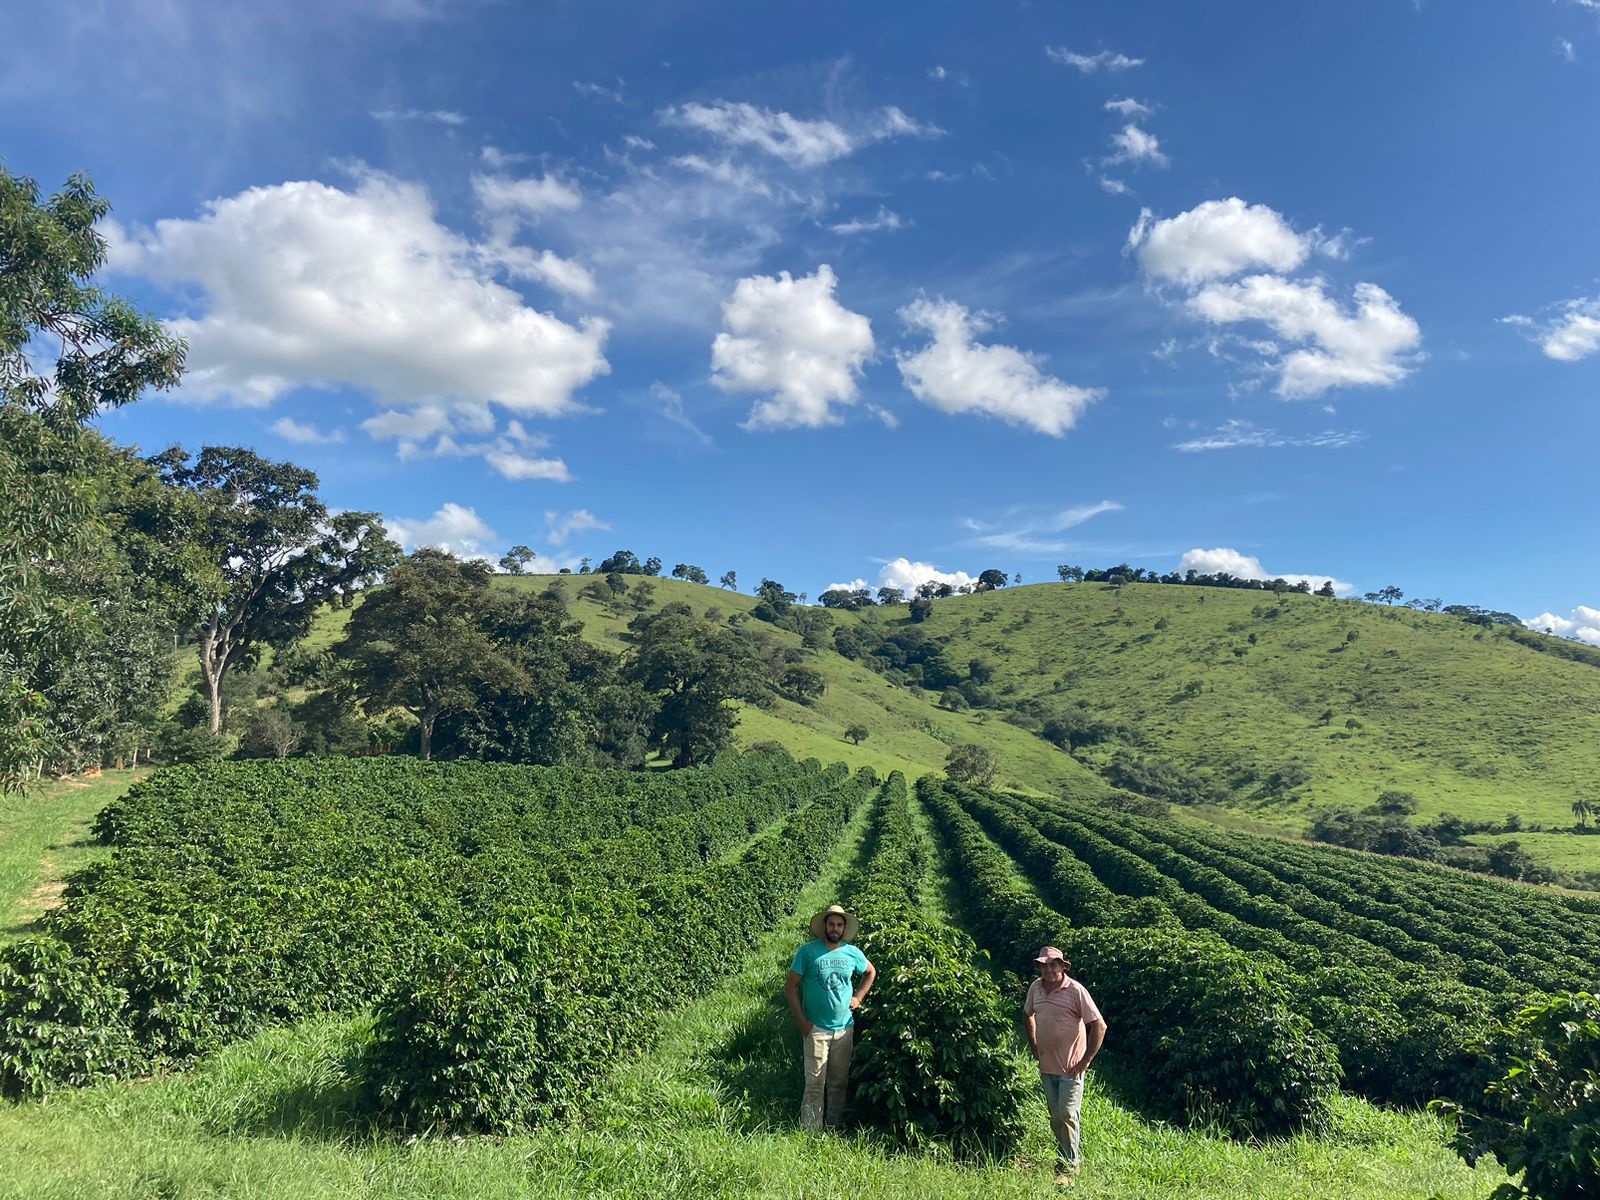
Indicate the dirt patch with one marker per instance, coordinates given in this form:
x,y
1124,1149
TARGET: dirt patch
x,y
45,896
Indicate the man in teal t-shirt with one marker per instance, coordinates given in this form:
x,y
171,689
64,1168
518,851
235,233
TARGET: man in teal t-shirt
x,y
823,997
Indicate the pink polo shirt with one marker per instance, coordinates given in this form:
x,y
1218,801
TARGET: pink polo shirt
x,y
1059,1018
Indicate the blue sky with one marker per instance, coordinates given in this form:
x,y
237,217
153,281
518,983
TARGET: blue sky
x,y
805,292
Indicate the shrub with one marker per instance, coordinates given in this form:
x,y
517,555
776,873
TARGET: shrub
x,y
1539,1113
72,1032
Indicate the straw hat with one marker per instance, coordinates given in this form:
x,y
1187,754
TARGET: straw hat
x,y
851,925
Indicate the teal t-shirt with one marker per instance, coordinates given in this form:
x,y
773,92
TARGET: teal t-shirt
x,y
826,982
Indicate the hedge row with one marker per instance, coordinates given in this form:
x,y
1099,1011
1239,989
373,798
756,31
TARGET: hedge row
x,y
245,894
934,1064
1207,1033
512,1022
1402,1034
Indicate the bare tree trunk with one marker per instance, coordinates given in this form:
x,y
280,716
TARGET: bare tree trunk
x,y
429,716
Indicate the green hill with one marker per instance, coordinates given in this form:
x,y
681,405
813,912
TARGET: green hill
x,y
1276,705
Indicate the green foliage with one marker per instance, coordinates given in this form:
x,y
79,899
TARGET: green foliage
x,y
932,1063
513,1022
1206,1032
971,763
71,1032
246,893
1539,1111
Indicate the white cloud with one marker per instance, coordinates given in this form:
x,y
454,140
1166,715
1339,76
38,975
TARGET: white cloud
x,y
1090,63
437,116
1244,566
1236,434
884,222
1133,145
544,266
906,575
854,585
500,196
1582,626
673,410
1372,347
791,338
1216,239
305,284
579,520
497,159
1031,535
957,375
1573,334
511,463
1564,48
596,91
941,74
1128,108
1114,187
455,528
795,140
305,435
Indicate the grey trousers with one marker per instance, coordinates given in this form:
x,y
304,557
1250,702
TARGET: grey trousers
x,y
1063,1095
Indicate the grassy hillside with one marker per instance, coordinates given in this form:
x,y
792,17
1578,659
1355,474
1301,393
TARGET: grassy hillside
x,y
1282,704
1244,684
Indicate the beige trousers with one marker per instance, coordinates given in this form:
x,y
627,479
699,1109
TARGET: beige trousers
x,y
826,1066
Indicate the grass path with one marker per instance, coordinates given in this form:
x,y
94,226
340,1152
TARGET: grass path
x,y
44,837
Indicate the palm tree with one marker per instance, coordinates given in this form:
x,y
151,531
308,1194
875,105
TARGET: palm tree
x,y
1583,810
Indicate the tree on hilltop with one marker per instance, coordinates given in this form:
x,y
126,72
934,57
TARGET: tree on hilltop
x,y
515,560
689,573
729,580
991,579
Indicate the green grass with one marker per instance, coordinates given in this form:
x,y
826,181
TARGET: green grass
x,y
44,836
709,1111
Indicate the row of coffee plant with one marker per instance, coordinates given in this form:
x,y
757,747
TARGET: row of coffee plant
x,y
513,1020
1201,1031
241,894
1402,1030
935,1062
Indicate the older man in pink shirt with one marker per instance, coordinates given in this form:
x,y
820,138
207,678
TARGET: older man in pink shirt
x,y
1066,1031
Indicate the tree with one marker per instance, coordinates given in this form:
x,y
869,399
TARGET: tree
x,y
273,554
971,763
694,669
651,566
891,595
1390,594
516,560
1395,804
272,731
1069,573
419,642
857,733
689,573
991,579
921,609
105,356
730,580
1583,810
1326,590
802,684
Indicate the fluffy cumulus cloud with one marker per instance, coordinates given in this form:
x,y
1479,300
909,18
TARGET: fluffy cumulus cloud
x,y
1572,333
956,374
906,575
791,339
1214,240
1368,346
502,196
306,284
1317,342
798,141
1582,626
455,528
1245,566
